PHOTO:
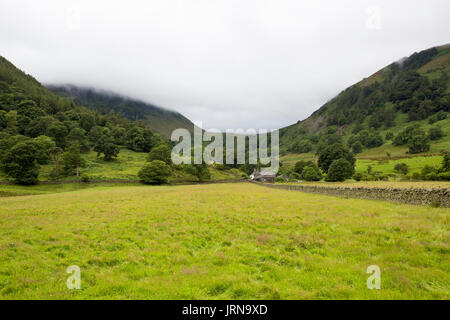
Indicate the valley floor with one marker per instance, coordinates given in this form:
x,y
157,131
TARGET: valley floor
x,y
219,241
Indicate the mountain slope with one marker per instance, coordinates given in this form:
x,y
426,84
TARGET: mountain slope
x,y
28,110
409,91
158,119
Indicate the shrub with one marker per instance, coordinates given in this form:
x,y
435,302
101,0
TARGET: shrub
x,y
358,176
416,176
155,172
433,176
162,153
401,168
428,170
368,177
340,170
444,176
85,178
201,171
389,135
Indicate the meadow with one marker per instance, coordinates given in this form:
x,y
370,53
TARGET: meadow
x,y
219,241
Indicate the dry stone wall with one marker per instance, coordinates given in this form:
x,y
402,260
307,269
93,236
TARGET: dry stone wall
x,y
437,197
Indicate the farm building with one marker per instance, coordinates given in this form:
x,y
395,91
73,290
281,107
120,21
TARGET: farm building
x,y
262,177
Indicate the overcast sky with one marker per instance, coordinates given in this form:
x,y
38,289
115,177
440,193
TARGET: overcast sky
x,y
228,63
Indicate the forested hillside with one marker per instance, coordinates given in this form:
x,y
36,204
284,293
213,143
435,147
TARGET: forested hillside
x,y
158,119
37,126
405,104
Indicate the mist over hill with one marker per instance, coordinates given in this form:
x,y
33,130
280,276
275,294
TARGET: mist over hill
x,y
156,118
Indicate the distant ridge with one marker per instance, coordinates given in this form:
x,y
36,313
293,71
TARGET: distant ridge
x,y
157,118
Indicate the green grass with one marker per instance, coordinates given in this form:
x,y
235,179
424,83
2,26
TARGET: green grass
x,y
125,167
238,241
415,164
20,190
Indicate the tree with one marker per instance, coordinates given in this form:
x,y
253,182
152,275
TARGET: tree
x,y
357,147
118,133
401,168
109,149
78,134
11,123
45,145
373,139
72,159
140,139
328,139
21,163
302,146
7,142
405,136
435,132
340,170
300,165
155,172
311,173
419,142
95,134
38,126
161,152
87,121
55,154
58,131
334,152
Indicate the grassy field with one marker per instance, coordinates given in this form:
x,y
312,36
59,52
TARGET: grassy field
x,y
219,241
415,164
